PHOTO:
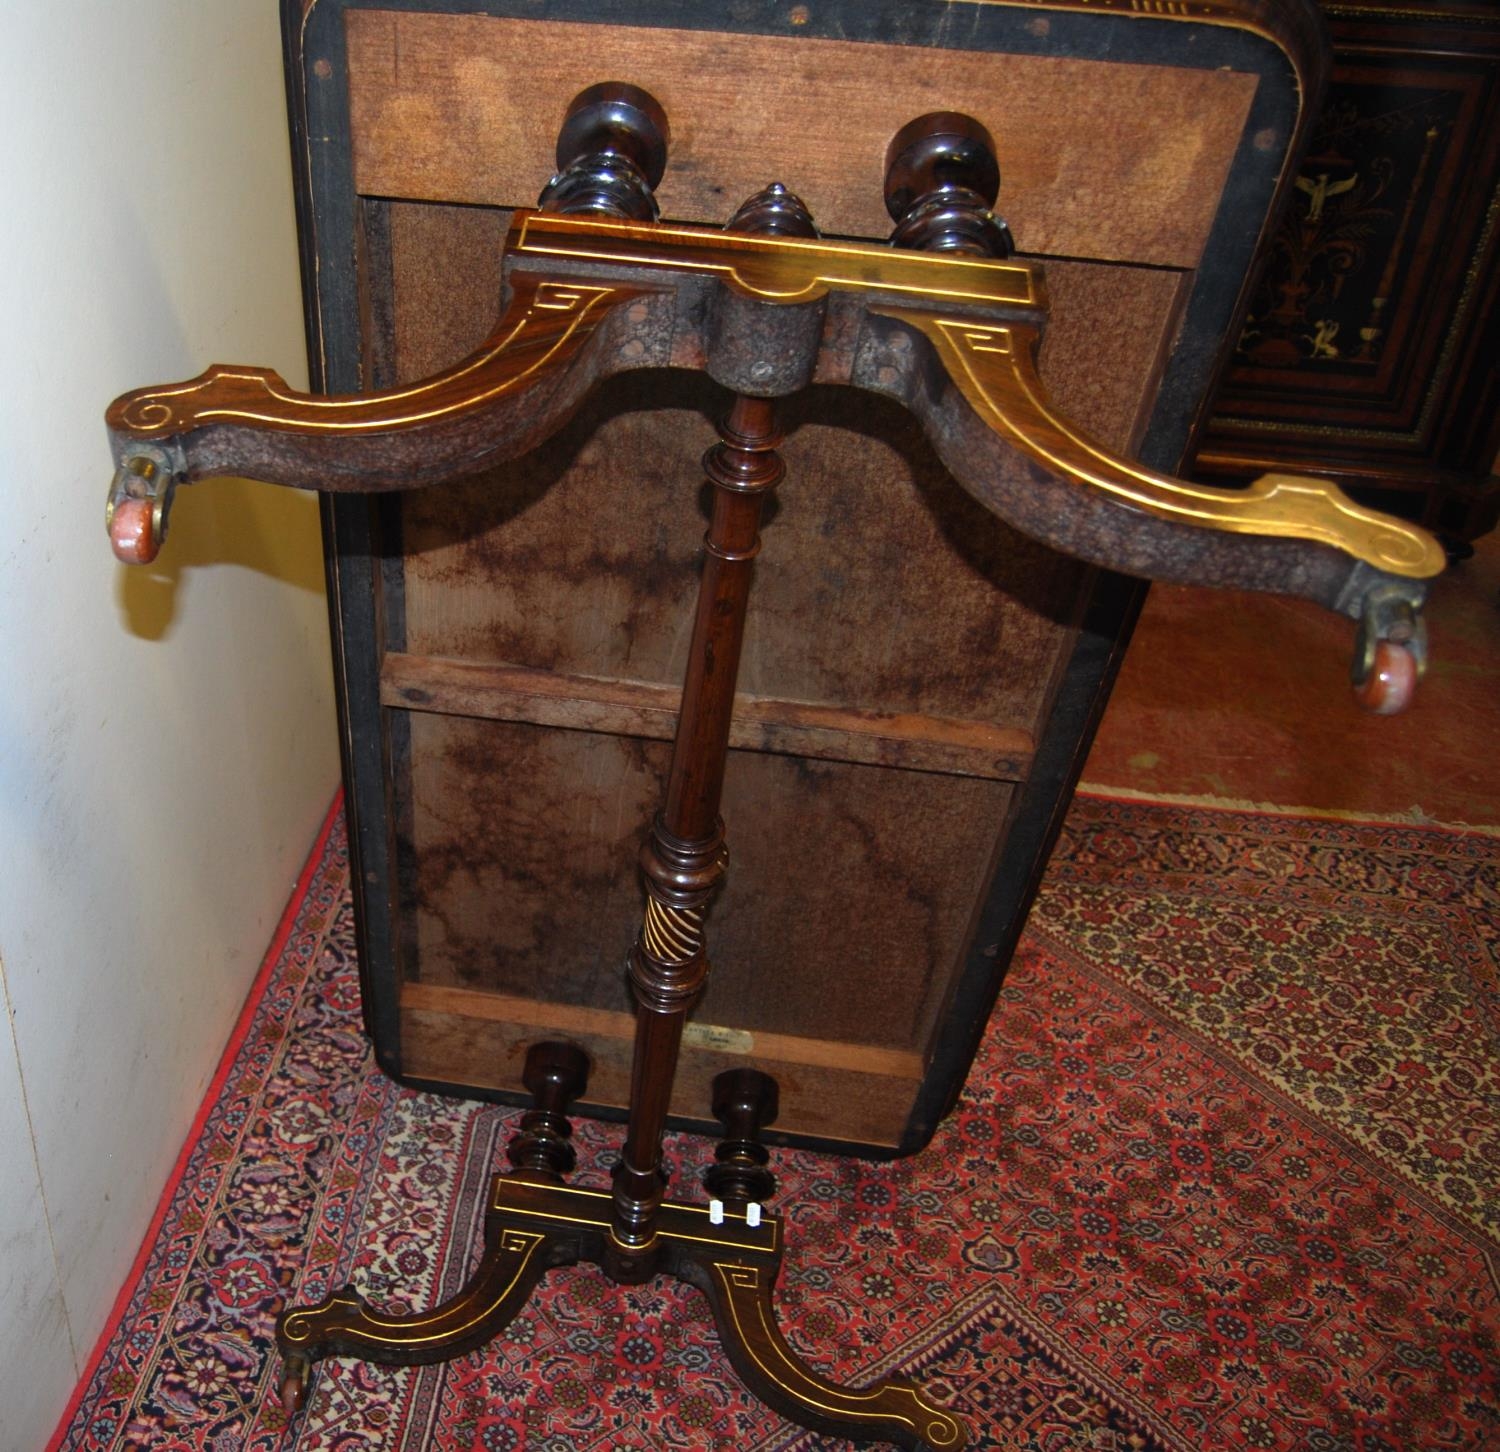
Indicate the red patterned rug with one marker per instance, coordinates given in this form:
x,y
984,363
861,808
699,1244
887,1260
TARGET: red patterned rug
x,y
1227,1175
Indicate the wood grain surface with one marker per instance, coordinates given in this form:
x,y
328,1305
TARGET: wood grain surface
x,y
846,1092
847,898
541,613
1097,160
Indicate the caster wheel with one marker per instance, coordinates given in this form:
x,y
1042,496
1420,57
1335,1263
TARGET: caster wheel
x,y
130,532
1389,686
295,1374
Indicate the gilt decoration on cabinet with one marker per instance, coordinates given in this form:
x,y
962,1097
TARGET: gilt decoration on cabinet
x,y
1368,347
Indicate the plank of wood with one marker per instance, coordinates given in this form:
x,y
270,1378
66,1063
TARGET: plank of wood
x,y
909,740
844,1092
1098,159
571,1019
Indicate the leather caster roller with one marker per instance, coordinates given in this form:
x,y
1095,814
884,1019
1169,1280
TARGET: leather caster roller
x,y
296,1372
1390,652
136,512
1392,680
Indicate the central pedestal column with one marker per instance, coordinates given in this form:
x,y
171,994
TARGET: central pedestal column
x,y
684,858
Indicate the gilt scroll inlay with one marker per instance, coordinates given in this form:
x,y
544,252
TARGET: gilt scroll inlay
x,y
995,369
546,323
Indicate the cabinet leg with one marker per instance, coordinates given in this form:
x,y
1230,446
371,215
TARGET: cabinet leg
x,y
533,1226
514,1260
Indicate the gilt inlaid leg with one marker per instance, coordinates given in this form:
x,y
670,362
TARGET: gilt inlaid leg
x,y
344,1324
515,1256
739,1289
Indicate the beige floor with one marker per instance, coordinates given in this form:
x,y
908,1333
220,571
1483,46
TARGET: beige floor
x,y
1240,697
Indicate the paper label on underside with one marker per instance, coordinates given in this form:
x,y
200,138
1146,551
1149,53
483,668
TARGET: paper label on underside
x,y
712,1036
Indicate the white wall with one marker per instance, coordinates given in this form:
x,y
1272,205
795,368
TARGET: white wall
x,y
167,746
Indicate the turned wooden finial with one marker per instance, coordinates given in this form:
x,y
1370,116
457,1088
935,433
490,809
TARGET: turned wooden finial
x,y
611,154
773,212
941,180
556,1074
745,1101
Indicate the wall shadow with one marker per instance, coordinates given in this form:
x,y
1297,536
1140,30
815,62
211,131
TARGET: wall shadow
x,y
222,522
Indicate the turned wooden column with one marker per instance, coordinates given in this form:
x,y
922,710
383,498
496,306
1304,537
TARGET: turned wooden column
x,y
684,858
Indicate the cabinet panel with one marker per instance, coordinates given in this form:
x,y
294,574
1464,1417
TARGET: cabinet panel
x,y
919,682
1369,351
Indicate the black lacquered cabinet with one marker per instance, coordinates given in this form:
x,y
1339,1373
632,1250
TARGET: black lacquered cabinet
x,y
1370,353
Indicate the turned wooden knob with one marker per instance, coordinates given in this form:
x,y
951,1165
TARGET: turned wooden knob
x,y
941,180
773,212
556,1073
1391,682
611,154
744,1102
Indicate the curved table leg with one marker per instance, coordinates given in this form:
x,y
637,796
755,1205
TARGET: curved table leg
x,y
889,1411
344,1325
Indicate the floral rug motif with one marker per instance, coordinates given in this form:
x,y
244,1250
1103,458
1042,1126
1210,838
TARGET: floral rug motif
x,y
1226,1175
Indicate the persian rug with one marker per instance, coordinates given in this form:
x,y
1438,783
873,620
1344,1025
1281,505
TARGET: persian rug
x,y
1226,1175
